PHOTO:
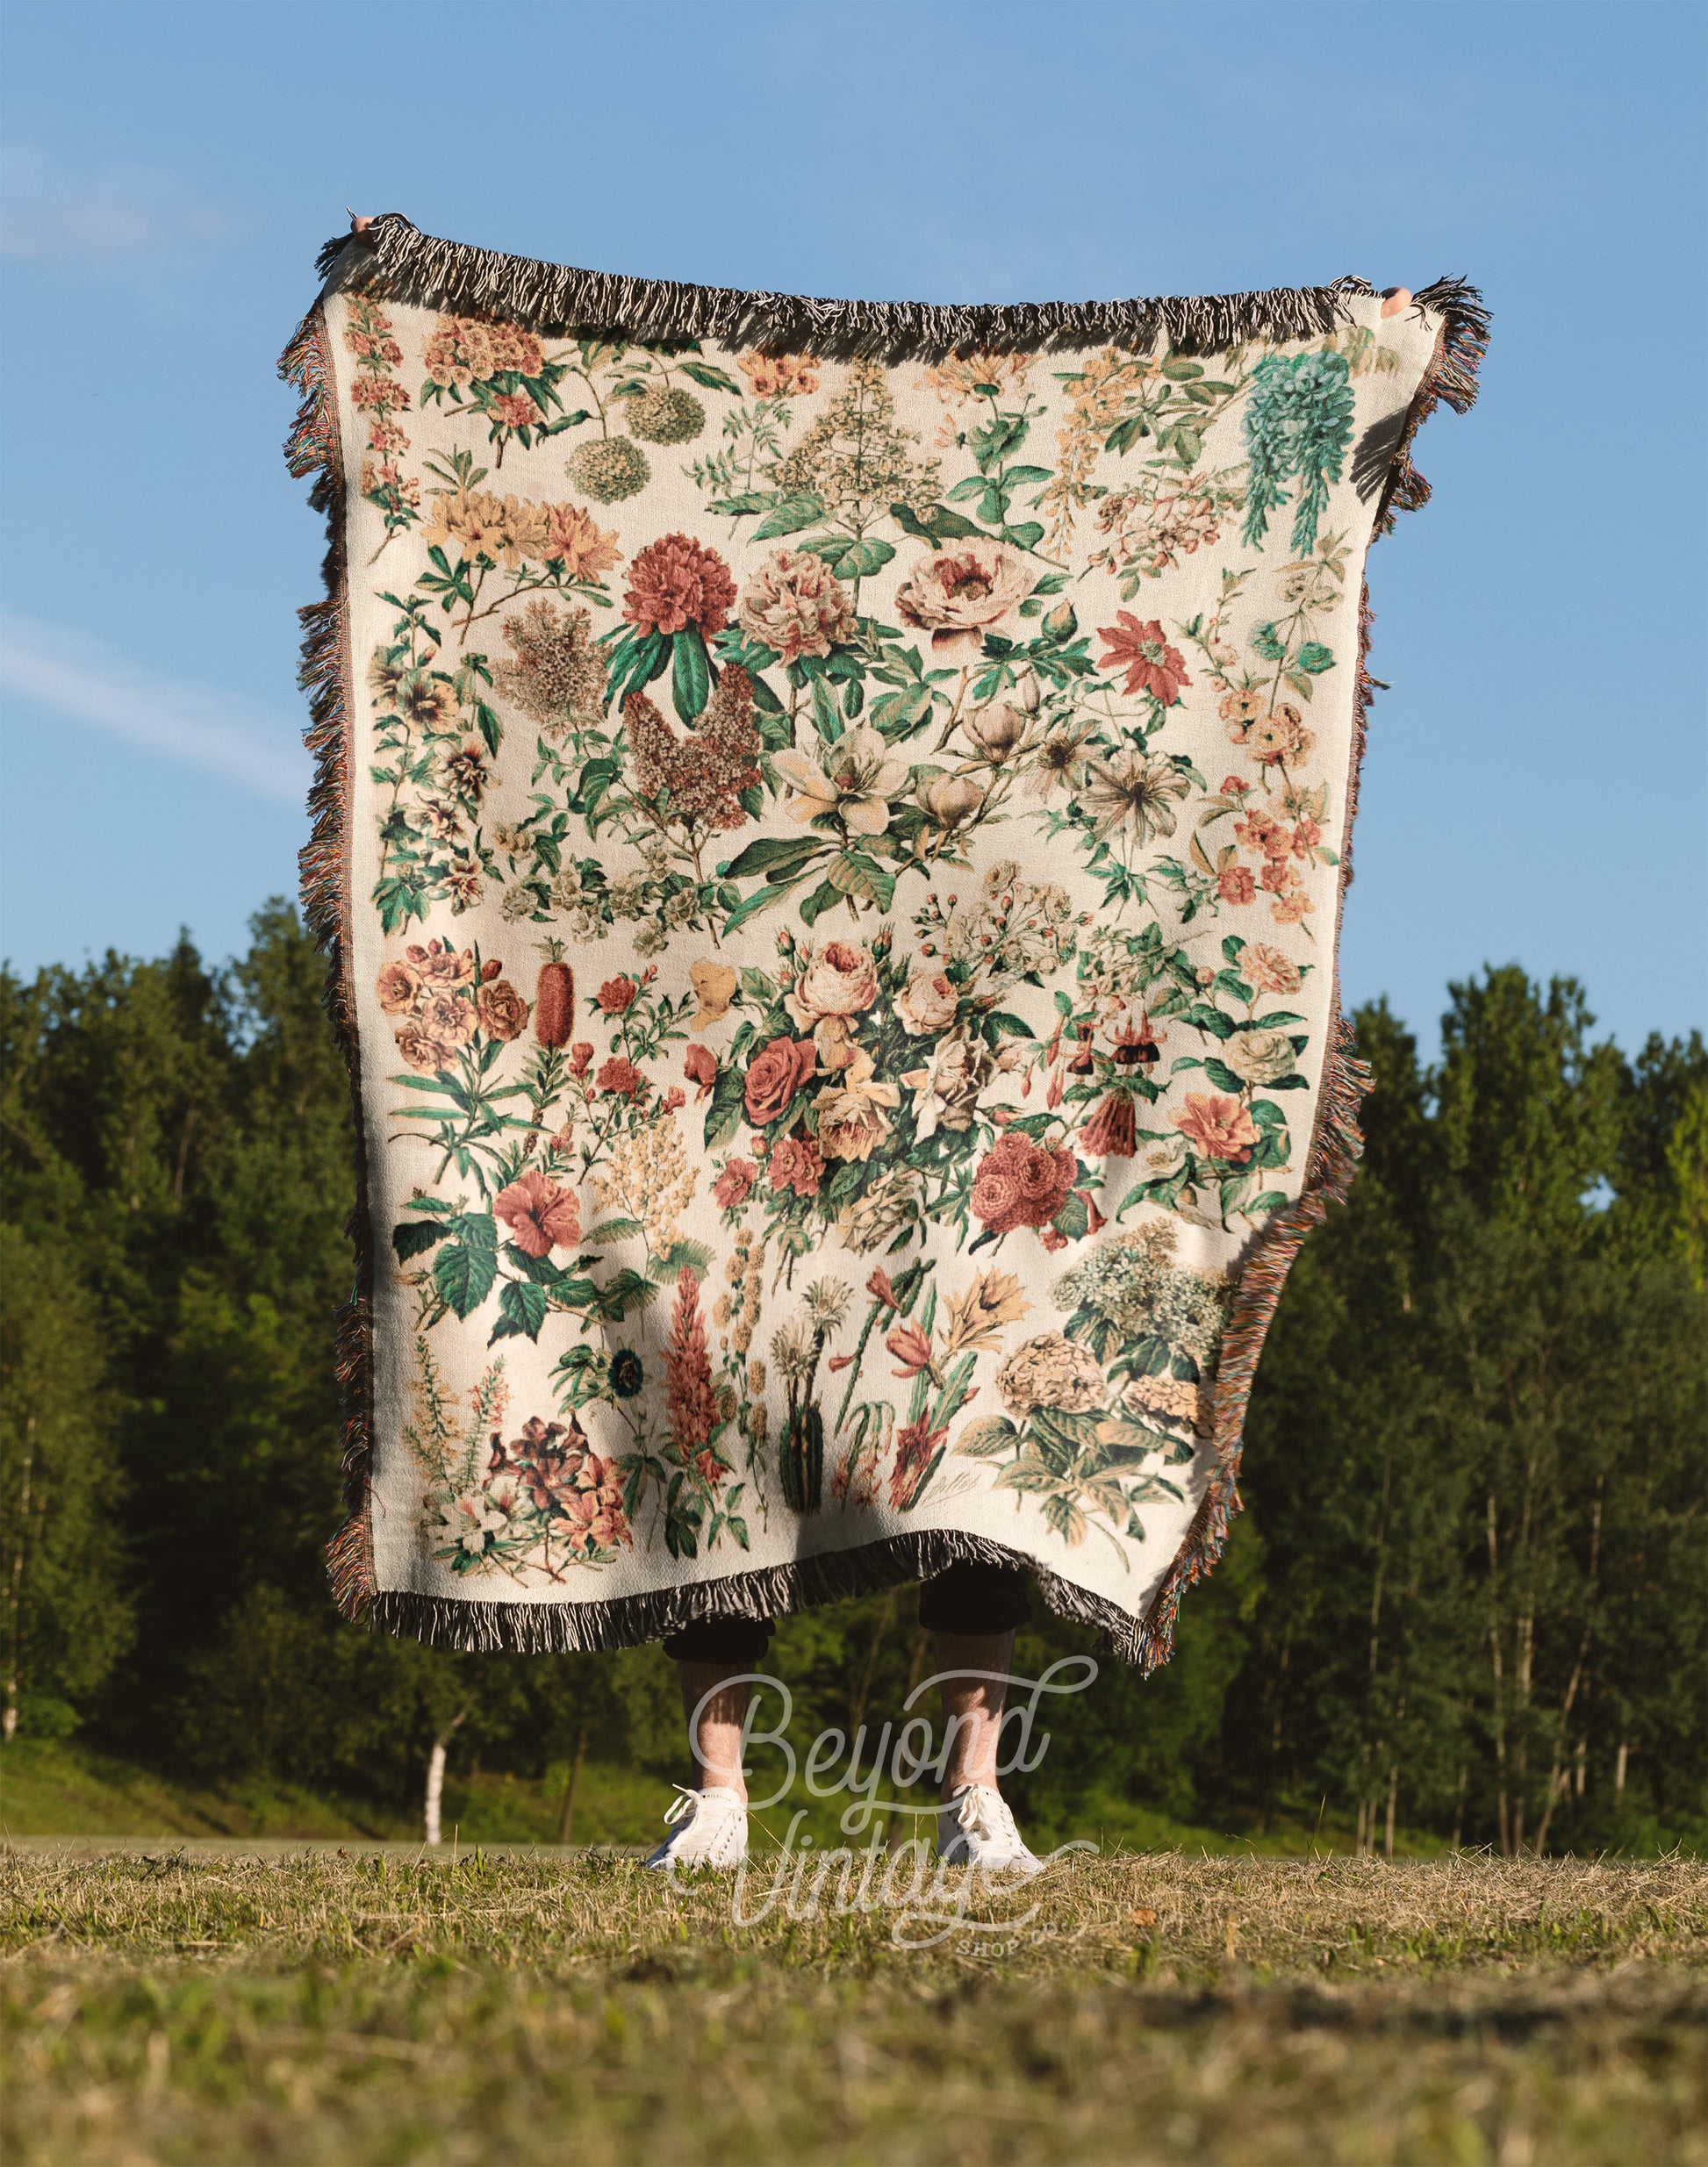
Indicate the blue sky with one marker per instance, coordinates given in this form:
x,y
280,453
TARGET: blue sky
x,y
1534,786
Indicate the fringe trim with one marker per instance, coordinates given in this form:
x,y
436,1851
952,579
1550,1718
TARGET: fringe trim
x,y
313,450
410,265
1452,380
394,256
768,1591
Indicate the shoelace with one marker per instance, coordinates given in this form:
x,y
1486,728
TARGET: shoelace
x,y
980,1803
683,1808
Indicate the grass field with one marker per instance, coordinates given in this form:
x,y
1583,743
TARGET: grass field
x,y
316,2009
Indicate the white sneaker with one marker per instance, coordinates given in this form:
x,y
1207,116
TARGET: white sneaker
x,y
708,1831
976,1828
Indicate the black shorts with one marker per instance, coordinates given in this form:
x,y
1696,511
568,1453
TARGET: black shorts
x,y
975,1599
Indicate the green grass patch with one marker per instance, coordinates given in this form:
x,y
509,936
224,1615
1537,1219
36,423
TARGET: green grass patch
x,y
314,2009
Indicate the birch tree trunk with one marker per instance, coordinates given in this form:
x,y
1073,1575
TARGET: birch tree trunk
x,y
435,1779
435,1790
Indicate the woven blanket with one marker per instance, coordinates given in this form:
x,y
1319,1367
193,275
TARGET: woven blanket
x,y
830,829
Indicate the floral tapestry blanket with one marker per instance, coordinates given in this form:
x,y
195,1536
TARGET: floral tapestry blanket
x,y
830,832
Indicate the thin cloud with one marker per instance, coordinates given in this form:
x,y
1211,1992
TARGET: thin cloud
x,y
49,210
221,734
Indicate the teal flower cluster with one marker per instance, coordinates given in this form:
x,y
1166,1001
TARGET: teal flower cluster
x,y
1298,424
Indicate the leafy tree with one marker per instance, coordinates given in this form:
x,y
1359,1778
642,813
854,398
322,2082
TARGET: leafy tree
x,y
65,1615
1467,1594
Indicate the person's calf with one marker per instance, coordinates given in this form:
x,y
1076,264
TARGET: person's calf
x,y
716,1711
975,1667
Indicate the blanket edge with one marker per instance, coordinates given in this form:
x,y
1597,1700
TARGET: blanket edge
x,y
393,256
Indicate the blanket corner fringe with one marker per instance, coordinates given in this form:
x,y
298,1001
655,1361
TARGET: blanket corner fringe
x,y
414,265
312,453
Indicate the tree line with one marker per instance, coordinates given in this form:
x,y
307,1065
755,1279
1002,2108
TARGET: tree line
x,y
1466,1596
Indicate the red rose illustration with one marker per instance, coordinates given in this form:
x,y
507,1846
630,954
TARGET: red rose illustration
x,y
775,1074
1020,1183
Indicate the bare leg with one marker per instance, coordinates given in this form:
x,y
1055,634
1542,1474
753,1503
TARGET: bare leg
x,y
717,1750
972,1707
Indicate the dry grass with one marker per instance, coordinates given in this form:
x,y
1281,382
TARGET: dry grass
x,y
315,2009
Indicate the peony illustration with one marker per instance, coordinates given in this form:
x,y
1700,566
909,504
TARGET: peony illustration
x,y
1259,1056
796,605
1268,970
959,593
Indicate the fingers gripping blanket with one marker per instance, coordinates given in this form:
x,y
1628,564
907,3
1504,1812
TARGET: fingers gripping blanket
x,y
830,831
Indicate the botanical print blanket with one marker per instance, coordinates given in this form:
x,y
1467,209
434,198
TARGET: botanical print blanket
x,y
830,831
